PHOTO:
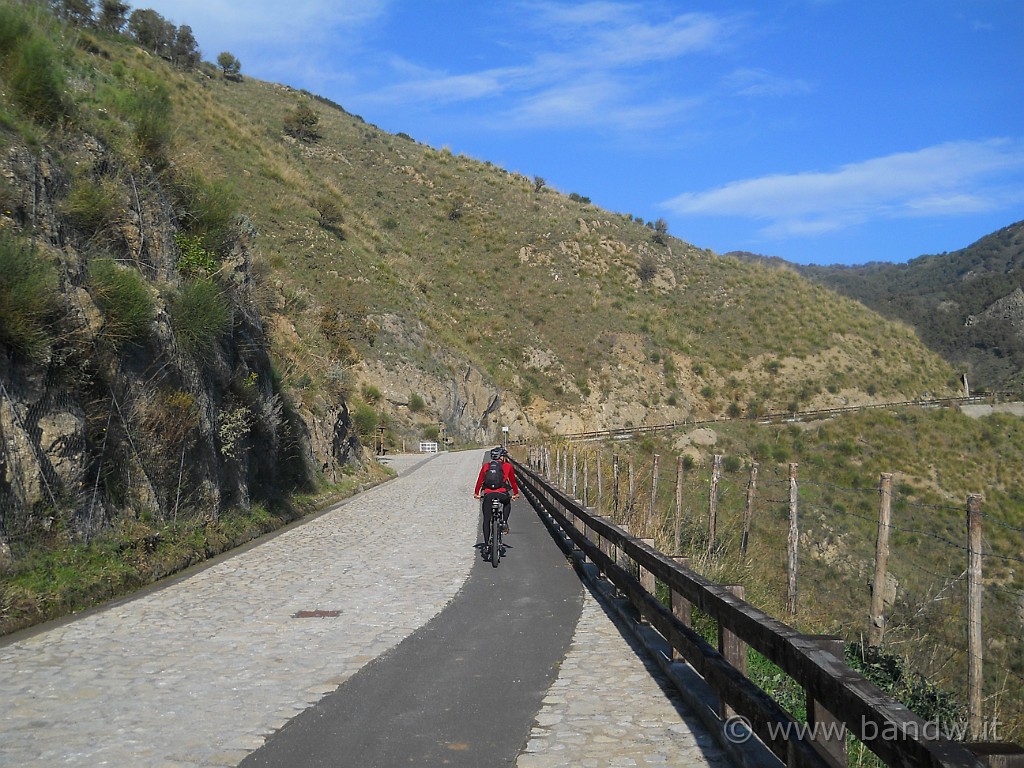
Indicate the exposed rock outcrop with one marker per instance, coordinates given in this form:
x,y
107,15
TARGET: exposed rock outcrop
x,y
98,428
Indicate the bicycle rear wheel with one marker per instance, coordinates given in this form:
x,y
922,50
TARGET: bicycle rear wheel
x,y
495,539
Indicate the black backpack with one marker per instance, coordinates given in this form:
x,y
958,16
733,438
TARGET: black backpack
x,y
494,477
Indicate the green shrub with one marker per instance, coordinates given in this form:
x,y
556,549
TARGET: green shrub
x,y
328,211
416,403
200,315
124,299
37,80
28,299
371,394
364,418
207,210
302,123
892,674
234,427
14,27
91,206
647,270
151,107
195,261
143,102
170,416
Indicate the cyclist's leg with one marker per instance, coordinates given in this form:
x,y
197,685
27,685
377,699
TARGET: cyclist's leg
x,y
506,509
485,518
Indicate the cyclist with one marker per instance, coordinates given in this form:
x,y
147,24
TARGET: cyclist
x,y
496,476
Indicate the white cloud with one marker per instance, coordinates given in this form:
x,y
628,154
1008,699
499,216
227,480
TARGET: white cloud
x,y
948,179
579,65
761,82
266,22
440,88
611,35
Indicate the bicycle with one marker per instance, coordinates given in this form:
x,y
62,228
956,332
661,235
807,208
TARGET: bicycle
x,y
497,522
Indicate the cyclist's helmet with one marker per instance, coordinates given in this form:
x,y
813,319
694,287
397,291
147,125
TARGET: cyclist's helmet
x,y
496,453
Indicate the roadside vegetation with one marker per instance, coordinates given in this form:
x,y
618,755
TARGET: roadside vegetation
x,y
937,456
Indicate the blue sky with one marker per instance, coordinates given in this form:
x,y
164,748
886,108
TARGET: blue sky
x,y
822,131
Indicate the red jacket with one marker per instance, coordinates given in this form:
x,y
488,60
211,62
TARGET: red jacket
x,y
508,473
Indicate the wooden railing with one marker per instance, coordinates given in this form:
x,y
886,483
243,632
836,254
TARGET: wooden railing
x,y
834,690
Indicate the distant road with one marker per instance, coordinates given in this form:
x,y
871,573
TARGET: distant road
x,y
464,689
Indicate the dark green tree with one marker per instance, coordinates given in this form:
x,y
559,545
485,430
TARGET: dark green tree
x,y
185,50
660,228
229,64
302,123
78,12
152,31
113,15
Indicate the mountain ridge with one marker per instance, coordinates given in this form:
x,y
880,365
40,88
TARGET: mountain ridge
x,y
961,303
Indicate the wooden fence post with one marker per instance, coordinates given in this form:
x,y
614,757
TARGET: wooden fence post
x,y
716,474
876,627
574,472
600,486
826,727
615,486
677,528
654,494
682,608
793,541
605,545
586,478
647,580
748,509
975,676
631,502
624,561
732,649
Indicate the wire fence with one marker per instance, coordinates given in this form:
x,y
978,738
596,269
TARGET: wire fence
x,y
810,550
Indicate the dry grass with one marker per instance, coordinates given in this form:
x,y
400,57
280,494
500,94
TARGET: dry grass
x,y
938,458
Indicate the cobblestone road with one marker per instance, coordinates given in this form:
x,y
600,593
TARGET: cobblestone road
x,y
198,673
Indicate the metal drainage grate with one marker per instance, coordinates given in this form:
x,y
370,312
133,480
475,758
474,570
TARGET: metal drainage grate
x,y
317,614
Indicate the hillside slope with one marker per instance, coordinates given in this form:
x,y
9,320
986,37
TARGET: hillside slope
x,y
501,302
967,305
205,312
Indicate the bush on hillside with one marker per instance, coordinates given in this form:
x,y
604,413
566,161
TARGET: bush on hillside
x,y
29,300
92,205
36,80
200,316
124,299
196,261
207,210
302,122
364,418
328,211
14,27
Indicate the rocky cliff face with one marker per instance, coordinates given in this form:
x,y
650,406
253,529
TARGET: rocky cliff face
x,y
94,427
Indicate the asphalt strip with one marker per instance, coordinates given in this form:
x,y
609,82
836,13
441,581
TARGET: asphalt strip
x,y
464,689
